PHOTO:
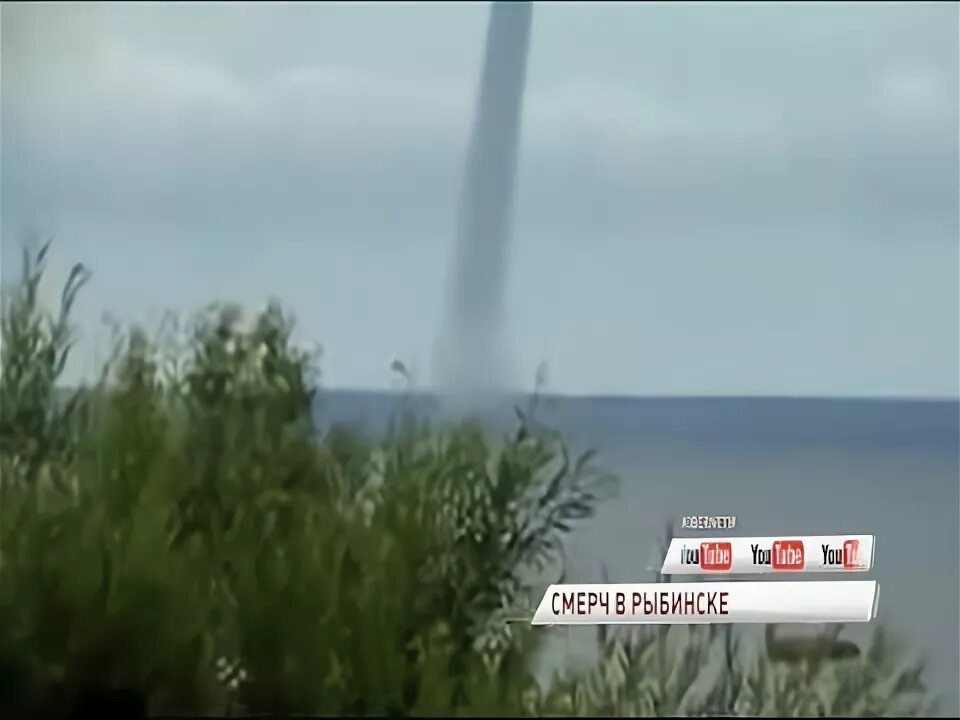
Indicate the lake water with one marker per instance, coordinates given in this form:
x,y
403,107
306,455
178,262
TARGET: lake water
x,y
782,466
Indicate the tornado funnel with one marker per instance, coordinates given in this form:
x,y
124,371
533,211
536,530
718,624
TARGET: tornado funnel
x,y
471,357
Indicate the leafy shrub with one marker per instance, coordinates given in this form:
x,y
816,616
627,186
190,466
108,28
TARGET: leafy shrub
x,y
706,671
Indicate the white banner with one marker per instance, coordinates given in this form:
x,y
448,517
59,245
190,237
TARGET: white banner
x,y
744,555
832,601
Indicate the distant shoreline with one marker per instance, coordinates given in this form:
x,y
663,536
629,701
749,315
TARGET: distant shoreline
x,y
605,397
673,399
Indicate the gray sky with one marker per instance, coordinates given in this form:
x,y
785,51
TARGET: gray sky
x,y
713,199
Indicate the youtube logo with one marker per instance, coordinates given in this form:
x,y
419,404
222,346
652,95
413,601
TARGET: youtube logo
x,y
846,556
715,556
759,555
787,555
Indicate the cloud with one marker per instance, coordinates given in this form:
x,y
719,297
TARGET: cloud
x,y
915,90
161,138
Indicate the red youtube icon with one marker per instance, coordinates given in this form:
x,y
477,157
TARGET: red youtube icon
x,y
851,554
787,555
716,556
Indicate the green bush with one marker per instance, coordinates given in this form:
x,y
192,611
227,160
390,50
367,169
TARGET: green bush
x,y
179,529
705,671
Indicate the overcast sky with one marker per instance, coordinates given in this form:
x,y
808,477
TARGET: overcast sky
x,y
713,199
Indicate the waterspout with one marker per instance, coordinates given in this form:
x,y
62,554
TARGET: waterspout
x,y
472,358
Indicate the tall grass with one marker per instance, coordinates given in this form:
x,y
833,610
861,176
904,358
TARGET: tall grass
x,y
179,530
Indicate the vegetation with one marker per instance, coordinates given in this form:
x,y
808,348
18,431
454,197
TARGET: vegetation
x,y
178,529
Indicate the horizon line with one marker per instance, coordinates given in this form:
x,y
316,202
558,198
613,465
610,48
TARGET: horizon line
x,y
399,391
654,396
